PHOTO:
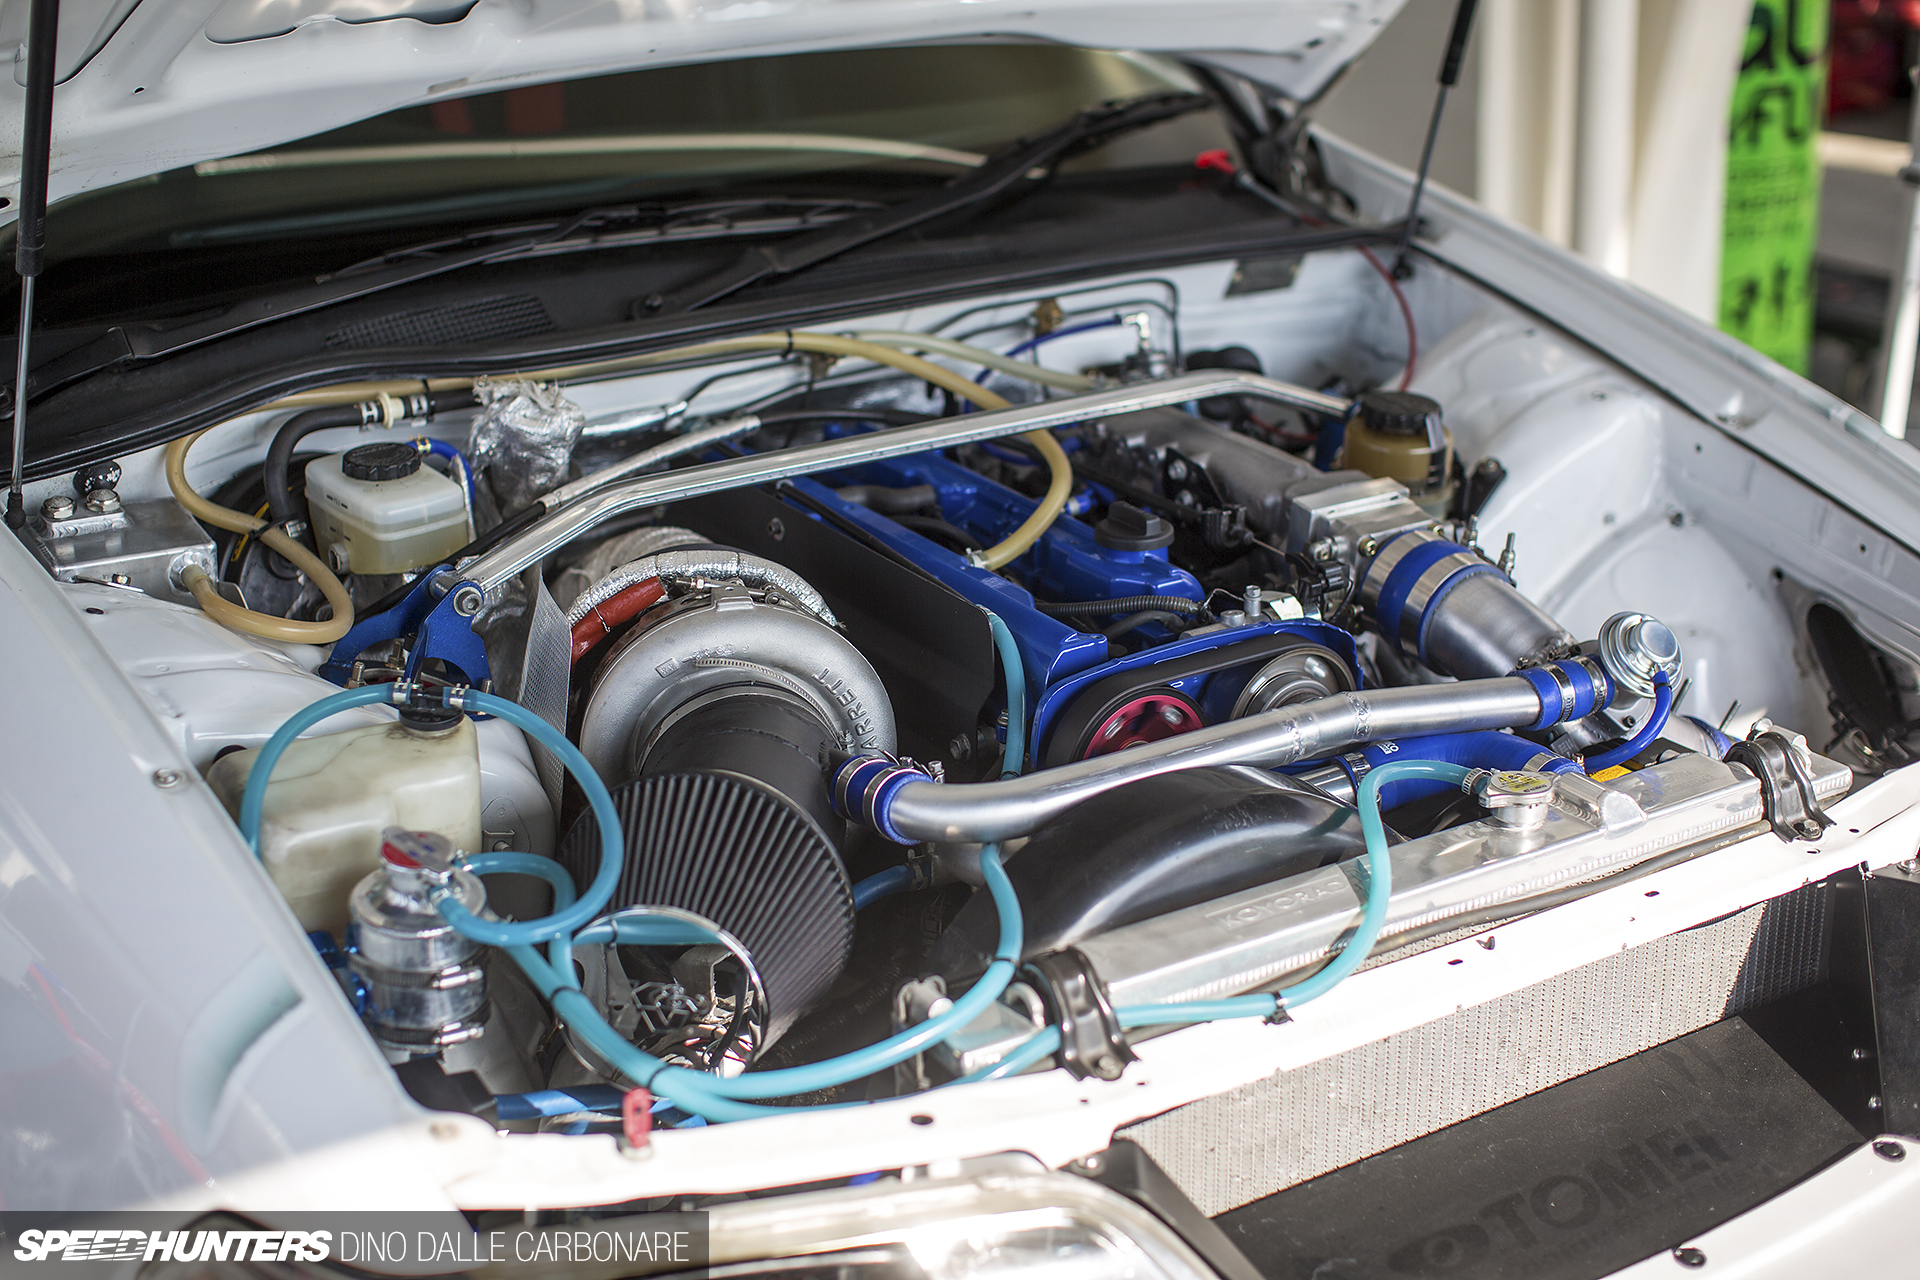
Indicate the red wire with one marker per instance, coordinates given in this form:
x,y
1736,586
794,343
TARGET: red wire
x,y
1223,162
1406,312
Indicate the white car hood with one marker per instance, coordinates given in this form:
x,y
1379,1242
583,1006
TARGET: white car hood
x,y
154,85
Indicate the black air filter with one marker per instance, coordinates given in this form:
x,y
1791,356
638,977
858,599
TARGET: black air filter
x,y
737,852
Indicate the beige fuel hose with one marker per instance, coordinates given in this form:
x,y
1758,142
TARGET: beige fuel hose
x,y
1060,471
229,614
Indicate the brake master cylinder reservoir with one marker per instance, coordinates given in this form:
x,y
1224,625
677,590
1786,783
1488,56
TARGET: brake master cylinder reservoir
x,y
386,511
424,988
1399,436
331,798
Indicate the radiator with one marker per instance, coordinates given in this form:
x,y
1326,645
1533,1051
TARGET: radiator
x,y
1252,1141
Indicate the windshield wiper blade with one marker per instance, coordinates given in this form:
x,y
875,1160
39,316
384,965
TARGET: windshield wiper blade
x,y
147,340
545,232
1026,160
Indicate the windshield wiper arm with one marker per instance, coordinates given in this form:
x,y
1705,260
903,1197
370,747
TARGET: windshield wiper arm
x,y
546,232
1022,161
146,340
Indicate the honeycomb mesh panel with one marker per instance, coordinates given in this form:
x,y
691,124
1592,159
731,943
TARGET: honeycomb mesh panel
x,y
1252,1141
482,320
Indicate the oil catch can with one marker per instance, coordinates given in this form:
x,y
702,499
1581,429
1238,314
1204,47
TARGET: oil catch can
x,y
422,986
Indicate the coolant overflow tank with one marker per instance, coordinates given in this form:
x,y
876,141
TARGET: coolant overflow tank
x,y
423,989
332,797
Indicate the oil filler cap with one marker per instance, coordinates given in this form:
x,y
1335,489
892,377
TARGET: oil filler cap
x,y
1400,413
388,460
1128,528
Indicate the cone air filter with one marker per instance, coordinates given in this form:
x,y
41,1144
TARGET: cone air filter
x,y
738,853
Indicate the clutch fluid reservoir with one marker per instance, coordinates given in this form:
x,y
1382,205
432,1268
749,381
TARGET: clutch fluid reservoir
x,y
382,511
1399,436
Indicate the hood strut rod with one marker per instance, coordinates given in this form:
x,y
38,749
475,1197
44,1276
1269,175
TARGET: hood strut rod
x,y
1449,74
36,148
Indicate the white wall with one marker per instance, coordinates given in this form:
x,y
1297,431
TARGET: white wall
x,y
1600,124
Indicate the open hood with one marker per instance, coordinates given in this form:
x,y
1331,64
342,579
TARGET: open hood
x,y
147,87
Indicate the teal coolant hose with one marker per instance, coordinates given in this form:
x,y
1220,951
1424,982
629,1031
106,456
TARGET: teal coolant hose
x,y
525,864
1372,919
1025,1055
1379,874
904,1044
720,1098
1015,758
254,798
493,933
564,920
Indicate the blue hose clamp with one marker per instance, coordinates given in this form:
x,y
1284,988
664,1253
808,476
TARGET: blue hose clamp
x,y
863,787
1569,689
1408,579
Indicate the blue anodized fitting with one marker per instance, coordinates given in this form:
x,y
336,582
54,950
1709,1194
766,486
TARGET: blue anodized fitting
x,y
862,786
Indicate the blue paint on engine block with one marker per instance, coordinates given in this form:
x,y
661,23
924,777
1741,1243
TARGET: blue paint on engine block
x,y
1066,564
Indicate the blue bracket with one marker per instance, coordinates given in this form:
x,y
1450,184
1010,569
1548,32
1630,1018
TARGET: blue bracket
x,y
428,616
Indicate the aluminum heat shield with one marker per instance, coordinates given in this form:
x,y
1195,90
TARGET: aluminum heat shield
x,y
1249,939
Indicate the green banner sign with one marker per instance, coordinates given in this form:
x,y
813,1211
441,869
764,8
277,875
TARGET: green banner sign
x,y
1773,181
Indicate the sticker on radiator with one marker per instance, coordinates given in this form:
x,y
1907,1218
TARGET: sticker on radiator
x,y
1572,1182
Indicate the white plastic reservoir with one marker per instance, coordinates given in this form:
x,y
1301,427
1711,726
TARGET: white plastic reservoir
x,y
332,796
386,510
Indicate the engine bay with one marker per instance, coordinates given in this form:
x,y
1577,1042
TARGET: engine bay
x,y
825,718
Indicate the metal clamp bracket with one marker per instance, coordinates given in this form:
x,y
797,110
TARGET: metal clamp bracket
x,y
433,617
1786,790
1091,1042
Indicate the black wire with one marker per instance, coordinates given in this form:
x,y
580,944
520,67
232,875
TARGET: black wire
x,y
1124,604
1135,494
1141,619
939,528
742,1009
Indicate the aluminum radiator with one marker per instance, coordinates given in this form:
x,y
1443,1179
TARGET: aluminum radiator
x,y
1250,1142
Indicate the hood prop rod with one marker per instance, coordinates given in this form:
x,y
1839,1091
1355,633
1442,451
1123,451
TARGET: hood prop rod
x,y
36,149
1449,74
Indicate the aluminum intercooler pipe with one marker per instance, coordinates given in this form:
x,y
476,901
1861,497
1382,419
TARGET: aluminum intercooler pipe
x,y
902,803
